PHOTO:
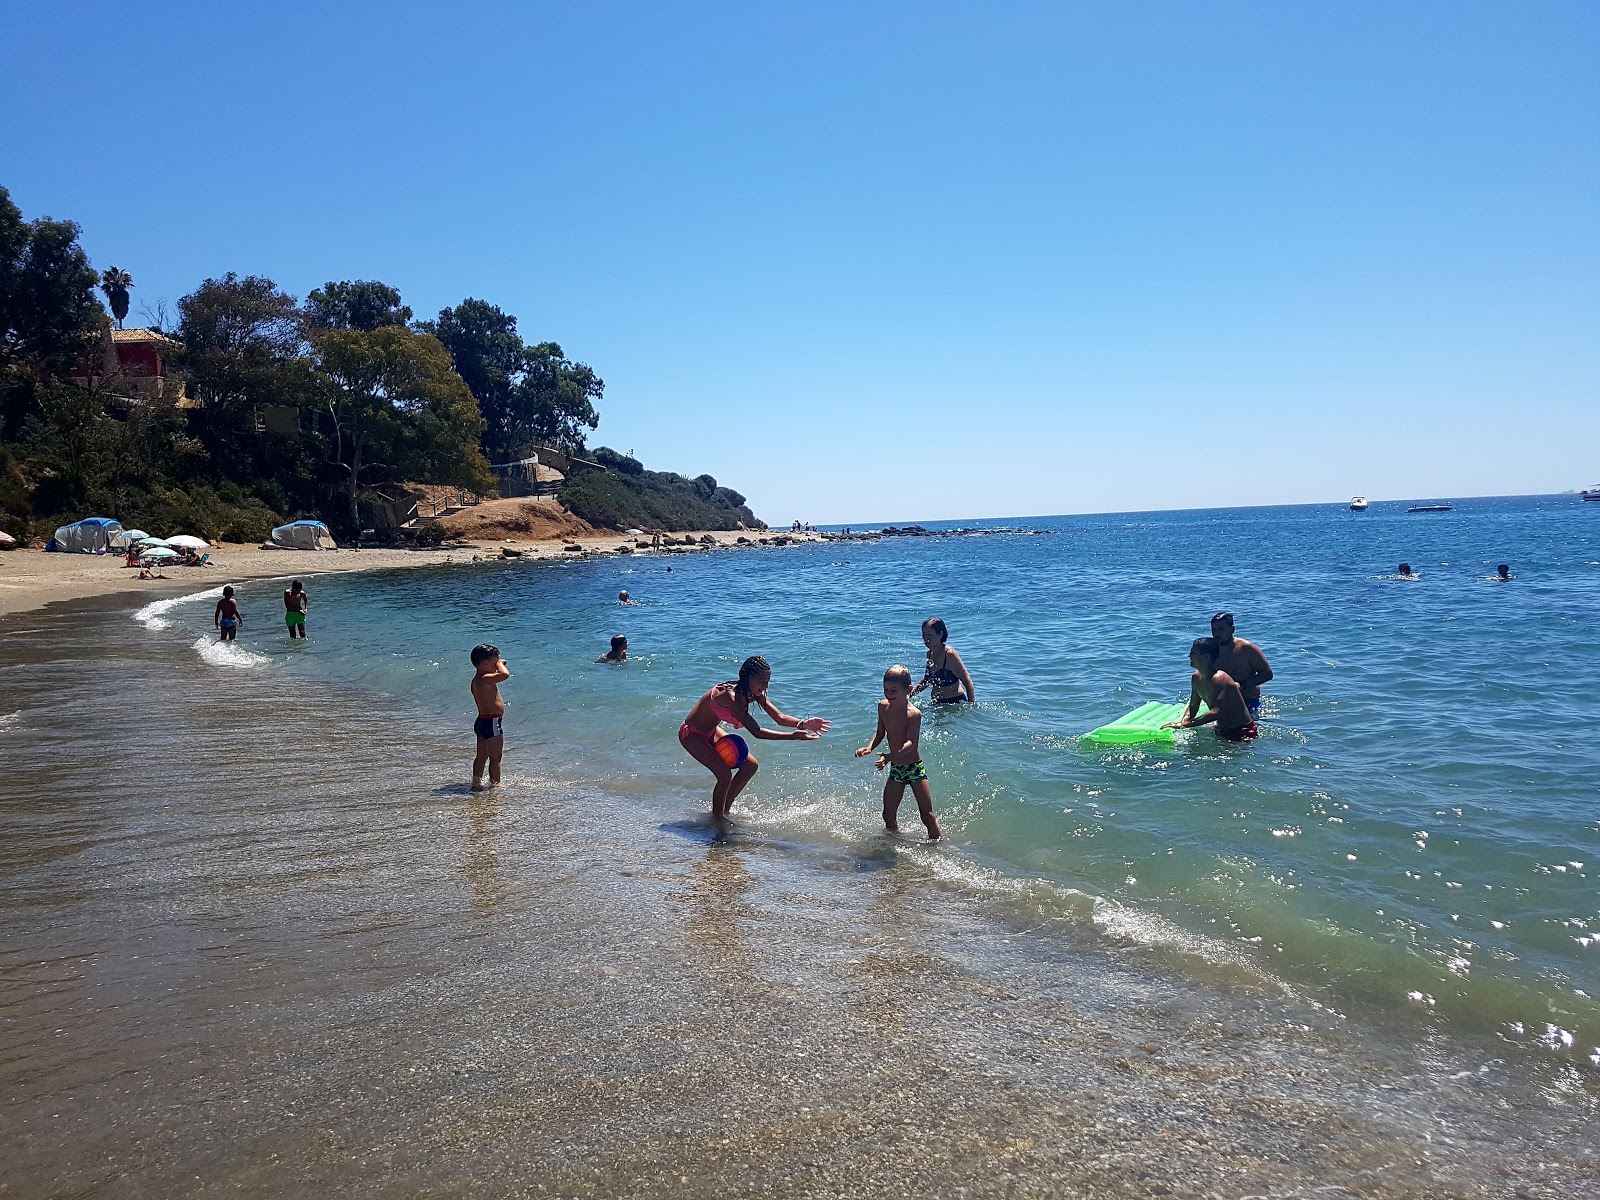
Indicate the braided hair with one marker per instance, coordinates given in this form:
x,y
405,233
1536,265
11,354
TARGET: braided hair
x,y
748,670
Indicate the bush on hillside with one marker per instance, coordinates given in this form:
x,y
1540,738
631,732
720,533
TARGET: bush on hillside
x,y
655,500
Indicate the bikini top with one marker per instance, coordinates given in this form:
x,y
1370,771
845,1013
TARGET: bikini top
x,y
720,709
944,677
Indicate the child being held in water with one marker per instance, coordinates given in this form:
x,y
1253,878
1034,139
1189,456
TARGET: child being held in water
x,y
900,722
490,671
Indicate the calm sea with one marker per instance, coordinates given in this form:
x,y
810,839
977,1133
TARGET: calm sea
x,y
1416,833
1411,844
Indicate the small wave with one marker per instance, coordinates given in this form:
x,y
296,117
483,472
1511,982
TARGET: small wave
x,y
153,615
228,654
9,719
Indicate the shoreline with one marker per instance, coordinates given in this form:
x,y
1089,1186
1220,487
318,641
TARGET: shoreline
x,y
31,579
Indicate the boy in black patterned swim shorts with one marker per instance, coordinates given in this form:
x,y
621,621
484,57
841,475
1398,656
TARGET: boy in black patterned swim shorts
x,y
489,672
900,722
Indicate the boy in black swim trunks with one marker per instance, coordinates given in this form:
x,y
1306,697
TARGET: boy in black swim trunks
x,y
491,671
901,722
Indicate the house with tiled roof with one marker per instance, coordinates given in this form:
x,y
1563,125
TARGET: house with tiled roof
x,y
133,365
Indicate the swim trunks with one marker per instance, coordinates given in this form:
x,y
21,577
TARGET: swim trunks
x,y
1242,734
1253,705
488,727
294,619
907,772
229,622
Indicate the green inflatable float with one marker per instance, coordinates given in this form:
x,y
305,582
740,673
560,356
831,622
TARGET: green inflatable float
x,y
1140,727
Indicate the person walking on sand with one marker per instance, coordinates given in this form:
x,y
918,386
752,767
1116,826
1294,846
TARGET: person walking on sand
x,y
701,732
1219,692
947,674
900,722
1241,659
296,604
227,617
489,672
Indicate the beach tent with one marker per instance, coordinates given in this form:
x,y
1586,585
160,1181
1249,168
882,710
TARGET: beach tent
x,y
303,535
127,538
6,540
187,541
92,535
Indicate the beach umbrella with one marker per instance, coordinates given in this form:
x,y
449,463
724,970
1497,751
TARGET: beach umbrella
x,y
152,541
159,552
6,539
128,537
635,533
187,541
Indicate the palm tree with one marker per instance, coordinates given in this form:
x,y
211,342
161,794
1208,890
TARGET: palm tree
x,y
115,282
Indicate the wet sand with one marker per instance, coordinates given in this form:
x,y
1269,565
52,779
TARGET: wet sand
x,y
290,970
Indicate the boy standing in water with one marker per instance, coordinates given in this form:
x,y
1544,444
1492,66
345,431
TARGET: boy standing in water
x,y
227,618
901,722
296,603
1221,694
490,671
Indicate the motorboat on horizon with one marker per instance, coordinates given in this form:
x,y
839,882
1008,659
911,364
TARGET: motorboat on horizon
x,y
1431,508
1358,504
1590,493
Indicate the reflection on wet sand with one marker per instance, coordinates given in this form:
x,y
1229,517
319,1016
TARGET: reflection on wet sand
x,y
480,862
717,901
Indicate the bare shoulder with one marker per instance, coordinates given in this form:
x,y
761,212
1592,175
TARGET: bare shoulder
x,y
913,712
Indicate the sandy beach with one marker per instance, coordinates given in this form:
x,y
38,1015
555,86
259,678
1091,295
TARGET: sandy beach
x,y
31,579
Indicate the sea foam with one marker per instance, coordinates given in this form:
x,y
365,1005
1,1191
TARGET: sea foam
x,y
153,615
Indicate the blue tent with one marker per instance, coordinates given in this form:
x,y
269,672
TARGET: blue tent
x,y
92,535
303,535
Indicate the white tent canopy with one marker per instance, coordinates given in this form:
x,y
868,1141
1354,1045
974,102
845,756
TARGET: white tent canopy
x,y
303,535
187,541
92,535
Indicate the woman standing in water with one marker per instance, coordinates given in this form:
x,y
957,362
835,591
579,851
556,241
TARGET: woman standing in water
x,y
730,703
947,674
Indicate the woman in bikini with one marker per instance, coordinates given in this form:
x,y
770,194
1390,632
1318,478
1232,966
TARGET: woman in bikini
x,y
729,703
947,674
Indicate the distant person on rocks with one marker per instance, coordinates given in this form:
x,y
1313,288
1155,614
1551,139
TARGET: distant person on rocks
x,y
1220,693
489,672
1503,573
296,604
227,617
900,722
1241,659
729,703
947,674
1404,571
618,651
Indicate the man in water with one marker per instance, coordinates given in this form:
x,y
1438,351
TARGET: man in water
x,y
624,598
618,651
227,617
1241,659
296,603
1404,571
1503,573
1220,693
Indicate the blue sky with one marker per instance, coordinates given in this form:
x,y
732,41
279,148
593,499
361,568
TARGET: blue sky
x,y
886,262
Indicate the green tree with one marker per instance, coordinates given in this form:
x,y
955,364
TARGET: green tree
x,y
115,282
364,305
48,311
395,404
528,394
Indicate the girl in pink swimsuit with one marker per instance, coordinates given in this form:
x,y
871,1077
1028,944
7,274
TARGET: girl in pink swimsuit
x,y
729,703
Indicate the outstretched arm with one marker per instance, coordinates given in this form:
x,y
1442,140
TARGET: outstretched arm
x,y
876,737
807,725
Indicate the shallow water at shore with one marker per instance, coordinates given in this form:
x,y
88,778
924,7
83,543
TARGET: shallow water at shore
x,y
262,935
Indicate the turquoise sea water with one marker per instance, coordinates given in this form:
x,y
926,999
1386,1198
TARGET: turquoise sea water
x,y
1414,839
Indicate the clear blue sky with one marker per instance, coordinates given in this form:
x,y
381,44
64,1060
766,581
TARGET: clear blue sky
x,y
886,262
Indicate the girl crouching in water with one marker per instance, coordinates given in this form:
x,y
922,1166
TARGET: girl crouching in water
x,y
701,733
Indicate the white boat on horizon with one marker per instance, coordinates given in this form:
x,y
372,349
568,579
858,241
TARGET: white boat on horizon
x,y
1591,493
1358,504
